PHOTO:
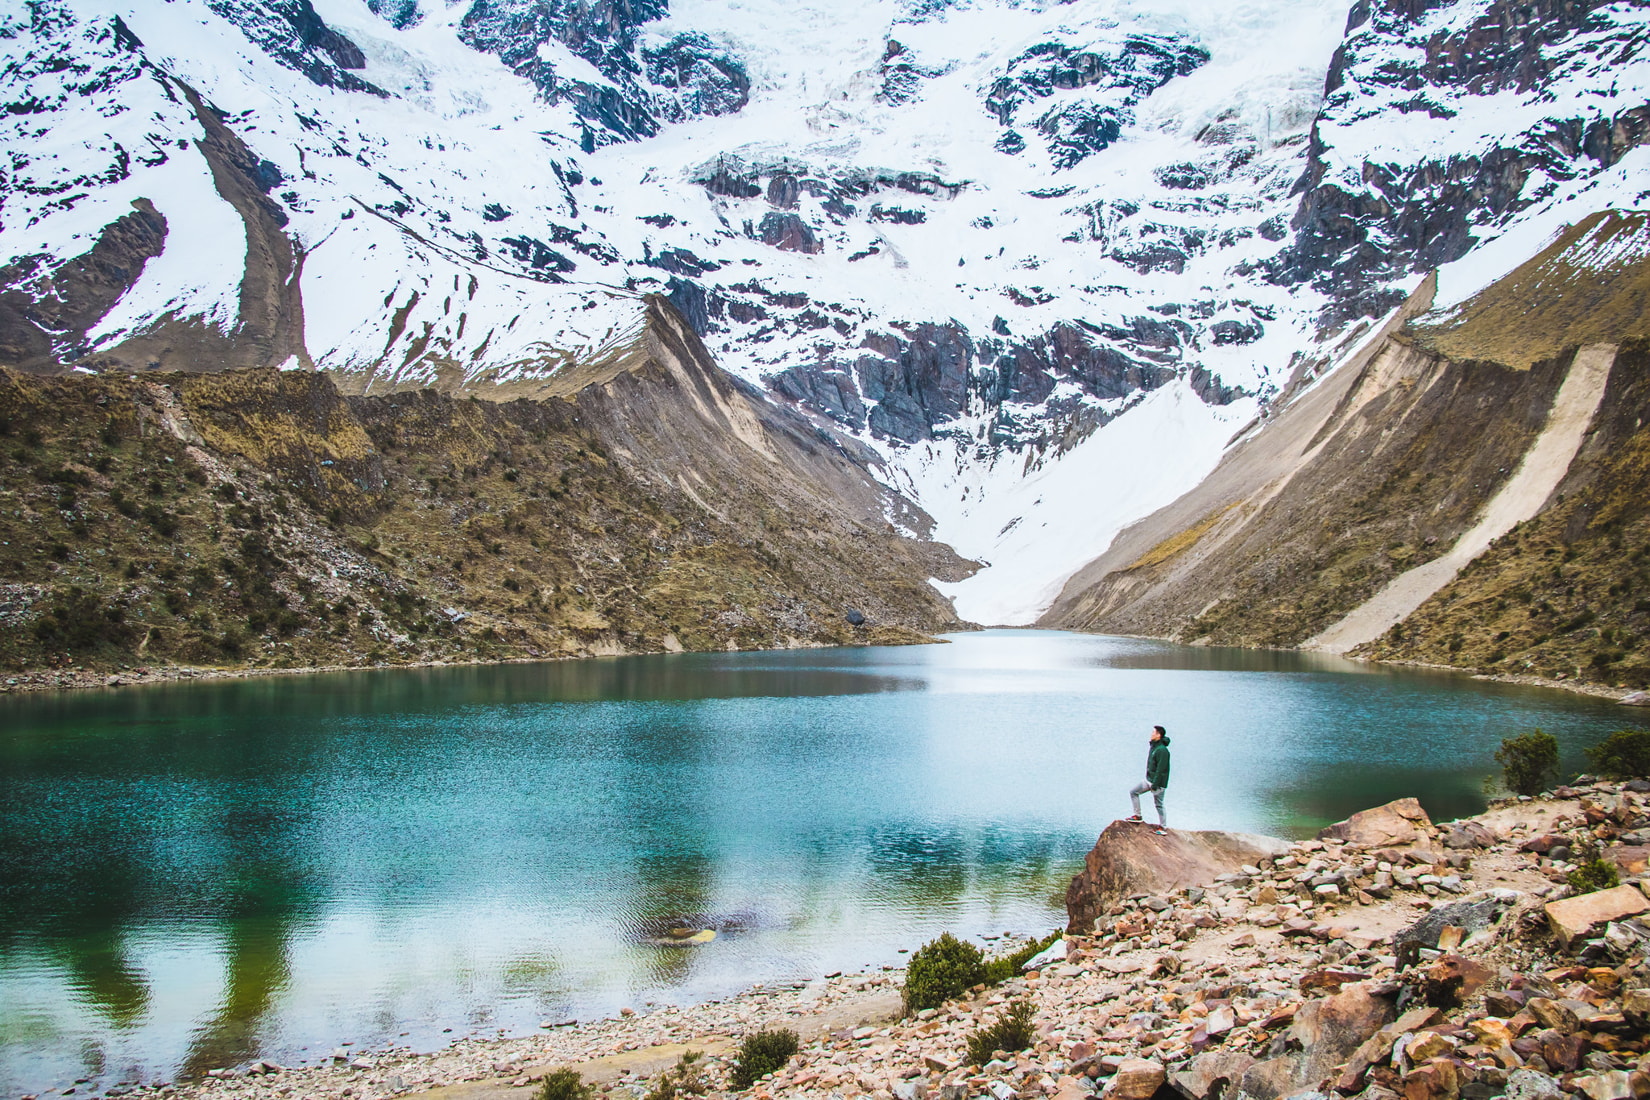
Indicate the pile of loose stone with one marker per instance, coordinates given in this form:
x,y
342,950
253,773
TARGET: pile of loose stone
x,y
1448,964
1452,965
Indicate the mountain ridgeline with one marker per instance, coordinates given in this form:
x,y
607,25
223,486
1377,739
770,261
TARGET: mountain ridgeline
x,y
394,330
1469,489
263,518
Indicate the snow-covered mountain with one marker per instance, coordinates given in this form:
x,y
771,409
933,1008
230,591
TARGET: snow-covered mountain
x,y
1044,257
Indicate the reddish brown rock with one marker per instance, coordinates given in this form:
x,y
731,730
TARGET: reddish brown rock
x,y
1449,981
1632,859
1550,1014
1329,979
1635,1005
1210,1074
1136,1079
1574,918
1329,1031
1563,1052
1378,1047
1438,1080
1130,858
1400,822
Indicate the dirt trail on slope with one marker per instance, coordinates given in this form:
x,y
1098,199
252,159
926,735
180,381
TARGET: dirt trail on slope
x,y
1537,476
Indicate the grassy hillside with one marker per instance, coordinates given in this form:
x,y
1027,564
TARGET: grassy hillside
x,y
1393,474
1567,594
1591,285
262,519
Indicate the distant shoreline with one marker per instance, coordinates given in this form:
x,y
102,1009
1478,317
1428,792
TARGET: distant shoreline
x,y
41,680
74,679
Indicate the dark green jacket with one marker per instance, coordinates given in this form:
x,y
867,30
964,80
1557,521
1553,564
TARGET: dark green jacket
x,y
1157,764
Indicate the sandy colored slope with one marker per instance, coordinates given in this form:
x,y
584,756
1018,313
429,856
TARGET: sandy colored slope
x,y
1253,472
1521,498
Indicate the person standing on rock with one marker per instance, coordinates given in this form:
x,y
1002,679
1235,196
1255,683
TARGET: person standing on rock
x,y
1157,778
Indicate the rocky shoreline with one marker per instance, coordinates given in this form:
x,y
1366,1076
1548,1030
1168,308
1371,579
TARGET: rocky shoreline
x,y
1388,958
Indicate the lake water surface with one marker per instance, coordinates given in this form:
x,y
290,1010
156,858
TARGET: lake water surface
x,y
192,876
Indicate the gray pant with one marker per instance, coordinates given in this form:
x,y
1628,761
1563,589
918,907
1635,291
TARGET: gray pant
x,y
1157,797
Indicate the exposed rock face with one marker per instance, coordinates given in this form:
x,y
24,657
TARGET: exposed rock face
x,y
1130,858
1400,822
974,292
294,34
1389,460
1379,468
1361,226
1035,92
645,88
45,315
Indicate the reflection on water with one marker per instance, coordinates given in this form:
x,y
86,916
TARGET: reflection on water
x,y
194,876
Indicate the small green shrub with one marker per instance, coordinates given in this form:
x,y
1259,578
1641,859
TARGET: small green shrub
x,y
1625,753
760,1054
164,522
565,1084
686,1078
940,970
1000,970
1594,874
79,621
1013,1031
1528,761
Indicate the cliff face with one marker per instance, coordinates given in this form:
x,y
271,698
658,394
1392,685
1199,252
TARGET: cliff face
x,y
264,518
1441,123
1465,490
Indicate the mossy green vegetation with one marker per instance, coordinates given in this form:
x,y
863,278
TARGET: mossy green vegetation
x,y
761,1053
1625,754
1004,967
1012,1031
941,969
1528,761
261,519
946,967
1594,874
565,1084
688,1077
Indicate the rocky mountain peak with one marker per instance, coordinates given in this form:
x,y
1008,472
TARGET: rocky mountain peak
x,y
998,243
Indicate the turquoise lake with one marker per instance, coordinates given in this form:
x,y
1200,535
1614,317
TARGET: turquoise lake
x,y
193,876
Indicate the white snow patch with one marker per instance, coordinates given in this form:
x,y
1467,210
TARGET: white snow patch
x,y
1035,529
1624,186
198,272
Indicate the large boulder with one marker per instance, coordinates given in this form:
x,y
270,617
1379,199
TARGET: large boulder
x,y
1400,822
1210,1075
1136,1079
1471,914
1130,858
1328,1031
1573,918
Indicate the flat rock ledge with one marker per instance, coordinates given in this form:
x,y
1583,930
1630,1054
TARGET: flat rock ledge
x,y
1456,966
